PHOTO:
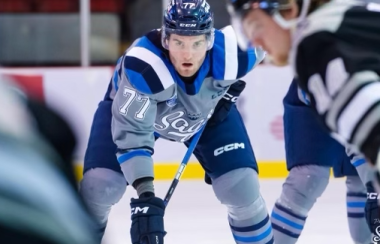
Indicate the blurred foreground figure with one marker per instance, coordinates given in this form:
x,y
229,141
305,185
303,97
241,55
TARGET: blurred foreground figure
x,y
38,197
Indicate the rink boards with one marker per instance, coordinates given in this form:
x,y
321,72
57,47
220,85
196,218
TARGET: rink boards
x,y
76,92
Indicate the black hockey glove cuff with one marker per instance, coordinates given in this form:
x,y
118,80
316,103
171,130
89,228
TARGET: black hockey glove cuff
x,y
224,105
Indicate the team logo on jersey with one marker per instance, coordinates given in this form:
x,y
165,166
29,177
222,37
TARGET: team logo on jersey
x,y
172,101
179,126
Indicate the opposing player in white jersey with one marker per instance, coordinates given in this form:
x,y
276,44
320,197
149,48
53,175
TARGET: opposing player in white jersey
x,y
167,85
310,154
334,49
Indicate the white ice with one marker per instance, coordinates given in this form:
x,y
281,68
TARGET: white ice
x,y
194,215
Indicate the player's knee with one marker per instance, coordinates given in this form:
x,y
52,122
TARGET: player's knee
x,y
361,234
239,191
354,184
101,186
303,186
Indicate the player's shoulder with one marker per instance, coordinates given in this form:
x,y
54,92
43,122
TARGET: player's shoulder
x,y
332,18
336,24
229,62
145,65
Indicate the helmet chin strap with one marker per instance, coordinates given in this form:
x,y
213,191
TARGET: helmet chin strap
x,y
241,38
292,24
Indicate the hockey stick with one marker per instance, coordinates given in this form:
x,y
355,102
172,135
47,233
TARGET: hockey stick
x,y
182,166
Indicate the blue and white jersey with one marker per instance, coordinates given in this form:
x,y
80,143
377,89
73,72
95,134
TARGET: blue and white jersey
x,y
150,99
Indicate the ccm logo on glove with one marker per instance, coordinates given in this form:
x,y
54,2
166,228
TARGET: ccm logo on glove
x,y
138,209
231,98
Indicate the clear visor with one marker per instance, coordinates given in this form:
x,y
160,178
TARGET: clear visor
x,y
245,39
242,39
192,40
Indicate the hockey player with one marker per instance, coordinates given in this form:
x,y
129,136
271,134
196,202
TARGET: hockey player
x,y
167,85
310,153
333,48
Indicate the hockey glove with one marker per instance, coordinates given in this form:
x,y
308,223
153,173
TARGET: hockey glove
x,y
147,215
224,105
